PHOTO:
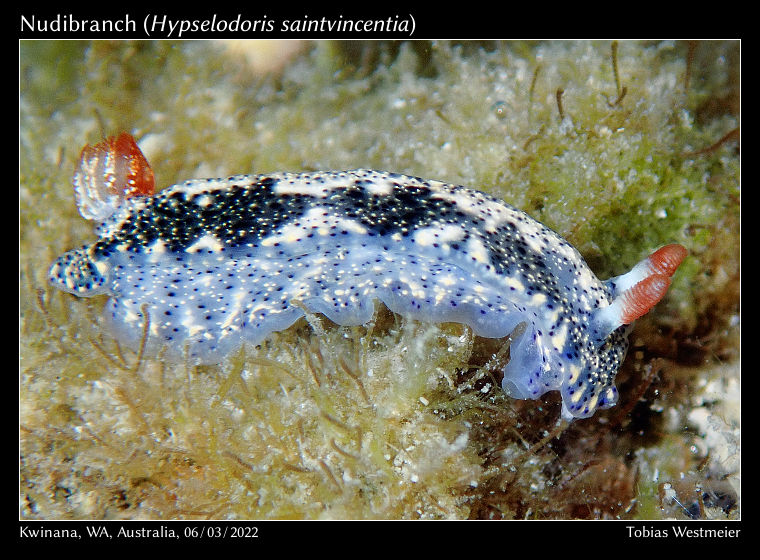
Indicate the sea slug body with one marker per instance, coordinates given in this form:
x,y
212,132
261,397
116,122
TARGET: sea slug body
x,y
219,262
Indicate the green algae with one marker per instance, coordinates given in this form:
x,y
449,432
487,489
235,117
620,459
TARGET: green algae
x,y
397,419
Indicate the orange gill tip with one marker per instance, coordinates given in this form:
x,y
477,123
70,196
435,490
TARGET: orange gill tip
x,y
139,175
108,173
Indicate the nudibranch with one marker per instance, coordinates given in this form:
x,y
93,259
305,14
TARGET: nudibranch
x,y
219,262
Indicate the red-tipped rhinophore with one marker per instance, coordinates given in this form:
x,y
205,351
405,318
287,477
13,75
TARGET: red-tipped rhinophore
x,y
666,260
639,290
637,301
